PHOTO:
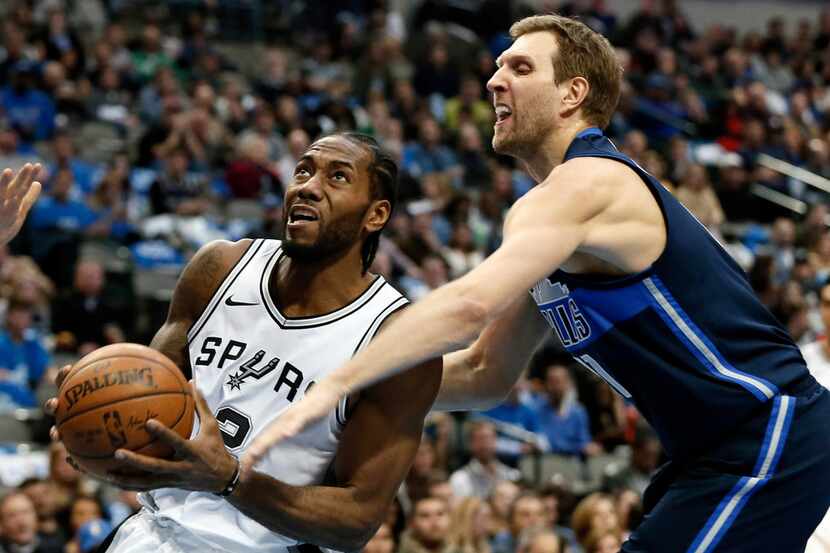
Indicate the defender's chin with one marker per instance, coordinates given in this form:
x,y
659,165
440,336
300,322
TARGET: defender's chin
x,y
501,143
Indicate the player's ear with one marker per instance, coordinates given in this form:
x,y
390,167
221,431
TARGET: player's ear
x,y
377,215
574,93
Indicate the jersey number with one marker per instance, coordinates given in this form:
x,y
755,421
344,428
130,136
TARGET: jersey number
x,y
234,425
593,365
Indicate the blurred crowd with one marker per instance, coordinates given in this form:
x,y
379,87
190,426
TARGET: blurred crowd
x,y
164,125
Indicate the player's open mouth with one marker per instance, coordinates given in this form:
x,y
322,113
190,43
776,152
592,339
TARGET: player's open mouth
x,y
503,113
301,215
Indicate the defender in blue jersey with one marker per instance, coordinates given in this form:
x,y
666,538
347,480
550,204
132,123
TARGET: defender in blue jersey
x,y
639,293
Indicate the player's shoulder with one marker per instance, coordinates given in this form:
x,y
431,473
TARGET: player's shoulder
x,y
594,174
207,269
220,254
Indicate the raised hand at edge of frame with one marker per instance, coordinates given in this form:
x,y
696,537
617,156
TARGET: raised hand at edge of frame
x,y
17,195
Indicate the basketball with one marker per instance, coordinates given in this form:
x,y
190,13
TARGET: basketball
x,y
107,397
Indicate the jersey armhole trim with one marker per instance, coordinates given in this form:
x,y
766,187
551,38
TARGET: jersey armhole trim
x,y
226,283
342,412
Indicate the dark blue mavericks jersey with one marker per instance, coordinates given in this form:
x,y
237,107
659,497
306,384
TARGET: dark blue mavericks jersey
x,y
686,340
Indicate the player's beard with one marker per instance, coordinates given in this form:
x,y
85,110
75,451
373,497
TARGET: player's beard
x,y
526,132
332,241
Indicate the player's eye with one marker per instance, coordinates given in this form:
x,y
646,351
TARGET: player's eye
x,y
302,173
523,69
340,176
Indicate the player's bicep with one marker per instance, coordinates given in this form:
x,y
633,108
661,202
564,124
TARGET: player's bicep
x,y
171,340
383,433
541,232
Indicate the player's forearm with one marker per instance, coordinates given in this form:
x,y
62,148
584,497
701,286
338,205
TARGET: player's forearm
x,y
444,321
474,382
327,516
480,376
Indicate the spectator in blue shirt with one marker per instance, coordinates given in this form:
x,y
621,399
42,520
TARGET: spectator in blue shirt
x,y
428,154
563,420
58,212
23,359
30,111
58,224
86,175
512,445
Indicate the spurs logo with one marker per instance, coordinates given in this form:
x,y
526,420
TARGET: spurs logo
x,y
248,369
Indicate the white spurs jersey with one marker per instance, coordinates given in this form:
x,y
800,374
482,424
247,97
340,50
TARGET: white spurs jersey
x,y
251,363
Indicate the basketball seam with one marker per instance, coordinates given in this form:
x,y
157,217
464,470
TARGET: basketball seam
x,y
151,442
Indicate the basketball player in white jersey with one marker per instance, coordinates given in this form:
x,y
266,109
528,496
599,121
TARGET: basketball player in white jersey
x,y
258,322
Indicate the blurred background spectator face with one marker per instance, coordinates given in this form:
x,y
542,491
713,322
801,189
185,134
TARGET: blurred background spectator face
x,y
41,494
558,383
504,494
62,184
18,319
483,442
89,279
424,460
84,509
18,520
595,513
439,486
430,522
526,512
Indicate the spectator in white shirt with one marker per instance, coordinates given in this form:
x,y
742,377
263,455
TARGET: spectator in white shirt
x,y
480,475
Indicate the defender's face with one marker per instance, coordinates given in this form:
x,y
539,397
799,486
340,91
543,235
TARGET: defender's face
x,y
525,97
326,202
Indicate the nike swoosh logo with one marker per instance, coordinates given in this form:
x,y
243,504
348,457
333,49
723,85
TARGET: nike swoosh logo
x,y
229,301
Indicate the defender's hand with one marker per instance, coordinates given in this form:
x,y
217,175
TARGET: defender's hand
x,y
201,464
318,402
17,195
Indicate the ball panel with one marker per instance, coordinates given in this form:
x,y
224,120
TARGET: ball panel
x,y
100,431
109,380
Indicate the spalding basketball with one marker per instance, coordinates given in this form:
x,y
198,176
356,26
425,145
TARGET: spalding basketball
x,y
107,397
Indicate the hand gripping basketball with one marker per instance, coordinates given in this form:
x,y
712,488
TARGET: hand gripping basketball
x,y
201,463
318,402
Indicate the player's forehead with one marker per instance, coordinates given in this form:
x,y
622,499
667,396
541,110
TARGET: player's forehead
x,y
536,47
337,150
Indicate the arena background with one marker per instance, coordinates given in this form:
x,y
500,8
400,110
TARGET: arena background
x,y
164,125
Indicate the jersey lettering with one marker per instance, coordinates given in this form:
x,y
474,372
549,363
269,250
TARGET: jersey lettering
x,y
208,350
233,351
561,312
292,378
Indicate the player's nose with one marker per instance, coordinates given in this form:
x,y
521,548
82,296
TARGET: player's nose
x,y
311,189
497,82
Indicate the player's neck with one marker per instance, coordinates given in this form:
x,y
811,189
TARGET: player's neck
x,y
306,289
551,152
